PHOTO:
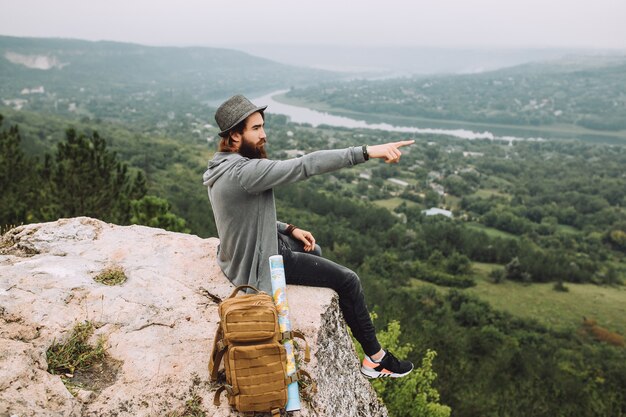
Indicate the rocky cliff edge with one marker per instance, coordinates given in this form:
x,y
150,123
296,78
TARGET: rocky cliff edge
x,y
157,326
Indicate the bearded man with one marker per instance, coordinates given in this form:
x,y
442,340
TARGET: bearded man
x,y
240,181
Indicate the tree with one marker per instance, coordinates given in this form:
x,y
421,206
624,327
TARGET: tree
x,y
618,239
155,212
414,394
515,272
432,153
88,180
458,264
14,173
431,199
456,185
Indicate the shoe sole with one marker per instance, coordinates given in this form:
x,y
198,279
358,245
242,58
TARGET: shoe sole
x,y
372,374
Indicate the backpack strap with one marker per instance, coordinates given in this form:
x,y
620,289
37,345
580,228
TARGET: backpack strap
x,y
217,353
214,366
229,390
311,386
242,287
298,377
276,412
216,398
296,333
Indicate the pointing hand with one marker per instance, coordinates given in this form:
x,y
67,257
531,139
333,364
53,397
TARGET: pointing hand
x,y
388,151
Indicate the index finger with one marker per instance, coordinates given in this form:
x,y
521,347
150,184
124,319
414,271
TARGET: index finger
x,y
403,143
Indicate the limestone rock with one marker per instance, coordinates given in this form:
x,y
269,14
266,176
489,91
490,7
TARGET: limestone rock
x,y
158,325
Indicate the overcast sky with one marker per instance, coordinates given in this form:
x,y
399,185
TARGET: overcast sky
x,y
448,23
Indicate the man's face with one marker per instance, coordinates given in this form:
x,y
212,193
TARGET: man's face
x,y
252,141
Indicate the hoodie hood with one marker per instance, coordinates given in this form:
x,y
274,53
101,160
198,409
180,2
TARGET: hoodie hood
x,y
221,162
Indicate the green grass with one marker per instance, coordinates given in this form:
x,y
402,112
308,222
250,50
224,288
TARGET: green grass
x,y
557,310
606,305
113,275
453,202
391,203
483,269
75,353
491,231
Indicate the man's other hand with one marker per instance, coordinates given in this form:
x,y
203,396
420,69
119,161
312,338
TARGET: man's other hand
x,y
305,237
388,151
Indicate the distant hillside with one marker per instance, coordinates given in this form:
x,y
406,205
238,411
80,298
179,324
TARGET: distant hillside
x,y
587,92
387,61
66,67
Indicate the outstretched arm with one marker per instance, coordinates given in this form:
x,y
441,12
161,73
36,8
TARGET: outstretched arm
x,y
258,175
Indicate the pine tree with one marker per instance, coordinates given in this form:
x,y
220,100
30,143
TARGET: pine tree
x,y
14,171
155,212
88,180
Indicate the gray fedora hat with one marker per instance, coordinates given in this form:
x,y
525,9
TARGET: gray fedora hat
x,y
233,111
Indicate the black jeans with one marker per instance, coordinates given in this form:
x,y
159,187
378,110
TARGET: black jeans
x,y
305,268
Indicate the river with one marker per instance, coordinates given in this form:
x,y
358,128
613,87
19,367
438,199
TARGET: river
x,y
315,118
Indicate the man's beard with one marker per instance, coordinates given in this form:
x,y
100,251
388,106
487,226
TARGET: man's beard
x,y
251,151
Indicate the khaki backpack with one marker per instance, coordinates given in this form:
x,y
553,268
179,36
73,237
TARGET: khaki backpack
x,y
249,340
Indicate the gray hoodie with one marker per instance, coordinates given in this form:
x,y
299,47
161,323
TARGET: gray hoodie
x,y
240,192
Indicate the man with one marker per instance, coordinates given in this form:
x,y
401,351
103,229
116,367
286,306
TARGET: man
x,y
240,181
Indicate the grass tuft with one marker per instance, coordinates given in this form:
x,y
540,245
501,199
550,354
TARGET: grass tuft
x,y
4,228
193,406
113,275
75,353
73,359
5,242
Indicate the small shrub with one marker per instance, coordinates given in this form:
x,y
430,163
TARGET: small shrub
x,y
497,275
113,275
559,286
